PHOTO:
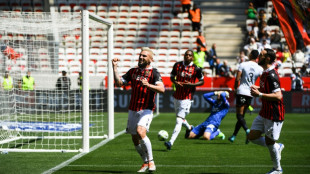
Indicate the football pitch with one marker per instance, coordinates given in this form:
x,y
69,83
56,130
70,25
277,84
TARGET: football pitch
x,y
186,156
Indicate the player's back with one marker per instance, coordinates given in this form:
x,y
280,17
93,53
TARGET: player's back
x,y
250,72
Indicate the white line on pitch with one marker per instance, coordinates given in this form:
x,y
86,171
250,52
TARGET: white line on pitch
x,y
194,166
76,157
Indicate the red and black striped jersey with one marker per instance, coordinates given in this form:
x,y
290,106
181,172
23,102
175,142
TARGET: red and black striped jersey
x,y
141,96
184,73
270,83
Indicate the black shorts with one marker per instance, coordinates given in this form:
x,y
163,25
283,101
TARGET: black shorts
x,y
242,100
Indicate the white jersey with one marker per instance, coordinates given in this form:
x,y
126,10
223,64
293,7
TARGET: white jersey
x,y
250,72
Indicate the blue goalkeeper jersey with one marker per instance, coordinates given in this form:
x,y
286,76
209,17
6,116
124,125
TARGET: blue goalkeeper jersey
x,y
218,109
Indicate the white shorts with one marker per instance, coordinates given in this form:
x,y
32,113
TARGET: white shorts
x,y
182,107
139,118
268,127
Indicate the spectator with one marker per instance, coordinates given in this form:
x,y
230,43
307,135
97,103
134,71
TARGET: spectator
x,y
63,85
273,20
212,56
242,57
307,55
199,57
27,82
279,54
262,15
251,11
275,38
297,82
265,44
201,41
217,67
186,5
303,71
225,70
264,30
299,56
253,45
7,81
195,16
287,57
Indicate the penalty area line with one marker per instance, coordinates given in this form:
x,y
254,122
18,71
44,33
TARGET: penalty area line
x,y
76,157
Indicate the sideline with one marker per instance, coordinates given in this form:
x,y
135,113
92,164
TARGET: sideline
x,y
76,157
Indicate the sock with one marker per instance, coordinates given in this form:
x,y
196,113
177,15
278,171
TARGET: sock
x,y
142,153
242,121
237,128
259,141
146,144
275,155
177,130
185,123
214,134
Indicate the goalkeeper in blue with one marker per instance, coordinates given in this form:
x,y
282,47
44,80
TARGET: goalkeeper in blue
x,y
219,109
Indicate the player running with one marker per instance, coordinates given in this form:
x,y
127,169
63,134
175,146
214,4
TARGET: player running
x,y
219,109
184,75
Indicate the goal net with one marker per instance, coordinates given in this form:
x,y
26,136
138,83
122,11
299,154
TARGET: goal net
x,y
51,114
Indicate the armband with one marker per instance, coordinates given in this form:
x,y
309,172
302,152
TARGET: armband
x,y
260,95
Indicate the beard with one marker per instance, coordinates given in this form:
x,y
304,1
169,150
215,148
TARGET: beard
x,y
143,64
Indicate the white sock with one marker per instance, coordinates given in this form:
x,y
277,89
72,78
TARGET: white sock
x,y
185,123
259,141
142,153
148,146
177,130
275,155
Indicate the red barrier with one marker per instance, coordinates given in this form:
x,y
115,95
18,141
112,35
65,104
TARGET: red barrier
x,y
223,82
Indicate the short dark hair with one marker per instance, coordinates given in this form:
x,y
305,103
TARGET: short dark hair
x,y
271,54
254,54
63,72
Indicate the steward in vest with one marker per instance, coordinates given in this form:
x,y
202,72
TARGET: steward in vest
x,y
186,5
201,41
195,16
199,57
28,82
7,82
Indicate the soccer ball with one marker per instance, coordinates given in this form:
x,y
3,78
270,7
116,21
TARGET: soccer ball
x,y
163,135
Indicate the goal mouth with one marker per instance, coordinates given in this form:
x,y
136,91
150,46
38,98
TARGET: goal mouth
x,y
41,116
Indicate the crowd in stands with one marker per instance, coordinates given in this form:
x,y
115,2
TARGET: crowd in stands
x,y
263,31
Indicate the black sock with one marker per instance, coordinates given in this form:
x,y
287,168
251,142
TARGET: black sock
x,y
242,121
237,128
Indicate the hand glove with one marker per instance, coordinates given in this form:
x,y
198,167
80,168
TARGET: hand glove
x,y
227,94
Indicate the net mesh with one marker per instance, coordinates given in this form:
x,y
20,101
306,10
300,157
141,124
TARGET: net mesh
x,y
40,115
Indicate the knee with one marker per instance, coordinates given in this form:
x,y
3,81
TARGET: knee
x,y
206,137
253,135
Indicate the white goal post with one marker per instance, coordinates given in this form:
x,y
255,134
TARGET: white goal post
x,y
48,118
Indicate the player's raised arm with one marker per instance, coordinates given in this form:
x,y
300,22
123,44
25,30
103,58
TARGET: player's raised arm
x,y
118,81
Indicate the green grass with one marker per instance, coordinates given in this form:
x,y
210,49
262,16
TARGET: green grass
x,y
186,156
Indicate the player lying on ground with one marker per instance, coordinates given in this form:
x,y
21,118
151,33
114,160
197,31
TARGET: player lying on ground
x,y
219,109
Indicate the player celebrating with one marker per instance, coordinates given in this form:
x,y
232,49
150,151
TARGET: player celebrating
x,y
247,74
184,75
145,82
219,109
271,116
